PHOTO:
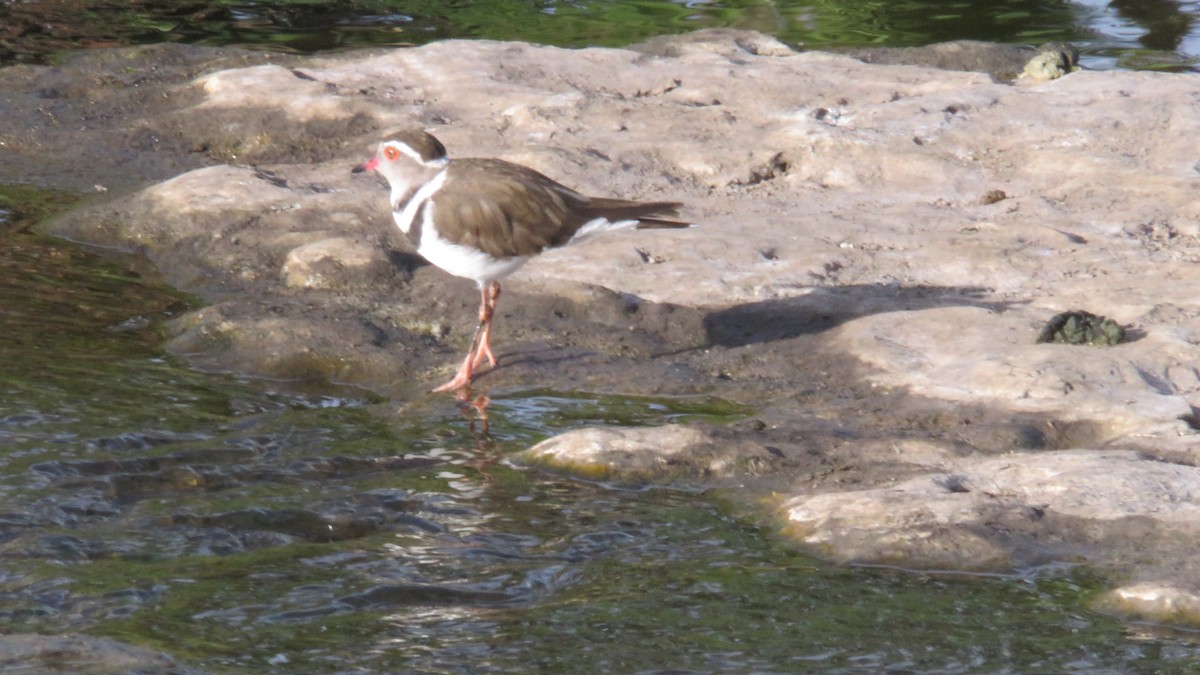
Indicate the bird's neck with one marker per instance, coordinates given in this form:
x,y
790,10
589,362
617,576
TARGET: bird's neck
x,y
405,188
407,200
403,194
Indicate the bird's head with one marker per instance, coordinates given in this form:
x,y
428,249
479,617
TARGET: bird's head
x,y
407,160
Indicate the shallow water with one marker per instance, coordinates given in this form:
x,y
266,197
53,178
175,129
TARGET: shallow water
x,y
241,525
1144,34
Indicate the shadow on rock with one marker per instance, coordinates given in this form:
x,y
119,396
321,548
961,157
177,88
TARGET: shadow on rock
x,y
826,308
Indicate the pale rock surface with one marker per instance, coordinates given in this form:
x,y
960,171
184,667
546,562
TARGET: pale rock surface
x,y
1025,510
1089,485
327,262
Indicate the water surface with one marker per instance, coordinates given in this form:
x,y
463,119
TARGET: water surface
x,y
1146,34
242,525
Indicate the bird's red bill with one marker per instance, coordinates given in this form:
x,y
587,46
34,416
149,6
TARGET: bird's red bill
x,y
368,165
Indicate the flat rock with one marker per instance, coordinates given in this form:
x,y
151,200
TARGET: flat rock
x,y
1025,510
1094,488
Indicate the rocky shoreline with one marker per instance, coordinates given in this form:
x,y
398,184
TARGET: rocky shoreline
x,y
879,247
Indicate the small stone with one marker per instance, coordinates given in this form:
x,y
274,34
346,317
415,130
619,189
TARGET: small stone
x,y
1082,328
993,196
1051,64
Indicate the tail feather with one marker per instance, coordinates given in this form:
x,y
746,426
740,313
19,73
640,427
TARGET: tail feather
x,y
660,224
649,215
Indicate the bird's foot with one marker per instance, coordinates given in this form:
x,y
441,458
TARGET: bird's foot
x,y
462,379
460,383
484,352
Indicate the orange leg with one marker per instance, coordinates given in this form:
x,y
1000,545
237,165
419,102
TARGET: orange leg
x,y
491,294
481,347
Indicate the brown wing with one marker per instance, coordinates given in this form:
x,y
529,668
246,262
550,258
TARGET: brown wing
x,y
507,210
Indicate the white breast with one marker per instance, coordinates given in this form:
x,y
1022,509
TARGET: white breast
x,y
459,260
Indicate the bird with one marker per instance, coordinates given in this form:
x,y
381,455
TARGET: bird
x,y
483,218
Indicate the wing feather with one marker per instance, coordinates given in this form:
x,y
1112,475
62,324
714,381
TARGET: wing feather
x,y
508,210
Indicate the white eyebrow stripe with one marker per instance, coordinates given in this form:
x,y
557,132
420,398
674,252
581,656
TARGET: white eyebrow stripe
x,y
416,157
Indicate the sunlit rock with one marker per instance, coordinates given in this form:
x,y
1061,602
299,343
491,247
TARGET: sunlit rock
x,y
330,263
659,453
1161,602
1113,509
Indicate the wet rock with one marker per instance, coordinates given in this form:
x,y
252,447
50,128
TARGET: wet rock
x,y
1161,602
1003,62
727,42
649,454
82,654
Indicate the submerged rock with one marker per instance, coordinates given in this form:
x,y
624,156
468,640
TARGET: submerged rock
x,y
82,654
1001,61
662,454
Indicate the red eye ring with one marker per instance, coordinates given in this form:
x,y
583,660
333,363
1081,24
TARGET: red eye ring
x,y
391,153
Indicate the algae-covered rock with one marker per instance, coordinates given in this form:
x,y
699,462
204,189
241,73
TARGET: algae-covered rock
x,y
1052,62
1082,328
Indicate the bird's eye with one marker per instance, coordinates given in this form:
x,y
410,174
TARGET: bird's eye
x,y
391,153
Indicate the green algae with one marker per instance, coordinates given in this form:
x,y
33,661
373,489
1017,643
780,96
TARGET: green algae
x,y
555,411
